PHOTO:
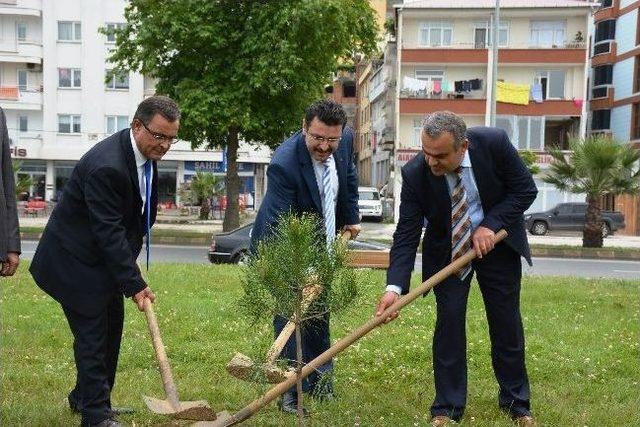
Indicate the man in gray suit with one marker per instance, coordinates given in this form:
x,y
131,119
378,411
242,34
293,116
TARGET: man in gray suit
x,y
9,228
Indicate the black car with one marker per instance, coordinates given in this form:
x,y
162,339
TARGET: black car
x,y
233,246
570,217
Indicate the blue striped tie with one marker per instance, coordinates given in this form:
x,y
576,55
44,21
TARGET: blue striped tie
x,y
328,203
460,224
147,206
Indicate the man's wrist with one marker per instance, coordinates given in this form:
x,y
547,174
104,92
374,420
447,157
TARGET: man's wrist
x,y
394,288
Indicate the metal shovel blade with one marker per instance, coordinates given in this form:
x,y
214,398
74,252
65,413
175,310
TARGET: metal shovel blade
x,y
197,410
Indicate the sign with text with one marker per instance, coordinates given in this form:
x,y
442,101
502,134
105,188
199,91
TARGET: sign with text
x,y
215,167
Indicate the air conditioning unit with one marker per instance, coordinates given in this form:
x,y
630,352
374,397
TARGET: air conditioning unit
x,y
31,65
93,136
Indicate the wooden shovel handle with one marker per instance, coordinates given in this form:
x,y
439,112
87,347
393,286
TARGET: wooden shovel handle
x,y
161,356
355,335
309,294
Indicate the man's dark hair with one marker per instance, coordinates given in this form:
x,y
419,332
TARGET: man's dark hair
x,y
328,112
158,104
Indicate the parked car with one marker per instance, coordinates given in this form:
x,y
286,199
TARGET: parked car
x,y
369,203
571,217
233,247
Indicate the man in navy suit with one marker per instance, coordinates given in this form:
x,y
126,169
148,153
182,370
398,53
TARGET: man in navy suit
x,y
308,167
477,175
86,258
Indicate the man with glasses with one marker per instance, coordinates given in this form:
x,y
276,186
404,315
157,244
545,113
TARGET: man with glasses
x,y
86,258
312,172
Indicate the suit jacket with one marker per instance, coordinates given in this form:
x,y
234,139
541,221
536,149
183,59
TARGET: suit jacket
x,y
506,190
9,228
89,247
292,185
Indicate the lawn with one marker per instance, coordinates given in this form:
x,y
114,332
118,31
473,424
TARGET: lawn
x,y
583,354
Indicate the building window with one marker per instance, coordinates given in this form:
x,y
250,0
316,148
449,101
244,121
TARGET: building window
x,y
21,31
22,80
606,3
547,33
416,141
111,38
348,89
23,123
430,75
635,124
601,120
552,82
435,33
68,123
605,30
117,80
69,31
603,75
69,77
636,80
482,35
116,123
525,132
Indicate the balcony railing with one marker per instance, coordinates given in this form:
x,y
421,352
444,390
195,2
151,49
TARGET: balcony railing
x,y
600,92
601,47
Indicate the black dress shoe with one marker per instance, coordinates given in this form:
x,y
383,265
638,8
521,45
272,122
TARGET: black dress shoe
x,y
109,422
289,404
115,410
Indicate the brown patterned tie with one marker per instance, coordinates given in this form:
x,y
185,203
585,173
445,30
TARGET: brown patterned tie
x,y
460,224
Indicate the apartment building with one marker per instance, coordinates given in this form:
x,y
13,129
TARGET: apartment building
x,y
61,97
444,63
615,87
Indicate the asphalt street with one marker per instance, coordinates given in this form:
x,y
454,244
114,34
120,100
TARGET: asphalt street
x,y
541,266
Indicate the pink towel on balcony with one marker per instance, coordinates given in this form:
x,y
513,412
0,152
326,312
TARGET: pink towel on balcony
x,y
437,87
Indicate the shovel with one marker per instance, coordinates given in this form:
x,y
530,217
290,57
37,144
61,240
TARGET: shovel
x,y
195,410
253,407
242,367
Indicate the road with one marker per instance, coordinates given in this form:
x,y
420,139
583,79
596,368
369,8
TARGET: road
x,y
541,266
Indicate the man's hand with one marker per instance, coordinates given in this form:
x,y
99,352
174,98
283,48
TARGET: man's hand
x,y
483,241
354,229
386,301
10,266
140,297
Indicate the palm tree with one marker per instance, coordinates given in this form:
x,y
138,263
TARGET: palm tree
x,y
597,166
23,182
204,186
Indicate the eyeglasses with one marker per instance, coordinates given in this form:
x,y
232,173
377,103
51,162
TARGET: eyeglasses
x,y
322,139
160,138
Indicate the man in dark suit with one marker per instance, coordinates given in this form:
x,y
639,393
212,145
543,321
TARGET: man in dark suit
x,y
86,258
467,184
9,228
312,172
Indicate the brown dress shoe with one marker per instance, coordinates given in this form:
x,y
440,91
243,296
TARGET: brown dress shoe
x,y
525,421
440,421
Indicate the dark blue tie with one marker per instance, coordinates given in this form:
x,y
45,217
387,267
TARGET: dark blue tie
x,y
147,205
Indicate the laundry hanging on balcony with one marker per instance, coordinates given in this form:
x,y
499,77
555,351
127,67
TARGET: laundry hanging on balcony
x,y
512,93
536,92
409,83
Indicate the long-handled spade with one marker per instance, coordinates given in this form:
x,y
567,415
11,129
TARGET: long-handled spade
x,y
242,367
253,407
194,410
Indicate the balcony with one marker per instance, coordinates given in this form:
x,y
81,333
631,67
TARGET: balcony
x,y
21,7
11,98
604,52
29,51
471,106
602,97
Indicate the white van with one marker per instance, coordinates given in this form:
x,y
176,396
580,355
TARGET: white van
x,y
369,203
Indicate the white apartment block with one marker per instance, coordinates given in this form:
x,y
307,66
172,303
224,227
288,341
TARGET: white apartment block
x,y
53,63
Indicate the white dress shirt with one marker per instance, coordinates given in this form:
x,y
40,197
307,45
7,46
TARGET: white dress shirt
x,y
140,161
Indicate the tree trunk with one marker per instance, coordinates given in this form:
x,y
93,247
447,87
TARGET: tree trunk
x,y
592,235
232,214
299,368
204,209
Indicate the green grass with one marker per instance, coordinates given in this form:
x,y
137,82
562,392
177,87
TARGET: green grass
x,y
582,354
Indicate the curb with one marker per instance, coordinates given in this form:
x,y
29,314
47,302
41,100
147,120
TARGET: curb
x,y
163,240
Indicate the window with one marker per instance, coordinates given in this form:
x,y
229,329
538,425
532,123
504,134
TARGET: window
x,y
111,38
482,35
547,33
117,80
435,33
22,80
552,82
605,30
525,132
69,77
348,89
21,31
69,31
636,76
23,123
601,120
416,141
68,123
635,124
116,123
430,75
603,75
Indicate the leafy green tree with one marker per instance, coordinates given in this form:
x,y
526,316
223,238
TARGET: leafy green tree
x,y
596,166
286,266
241,69
529,159
203,187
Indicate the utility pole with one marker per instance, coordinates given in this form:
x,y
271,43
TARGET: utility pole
x,y
495,28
